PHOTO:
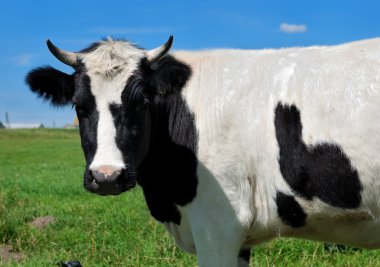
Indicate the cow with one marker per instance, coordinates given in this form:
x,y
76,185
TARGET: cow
x,y
231,147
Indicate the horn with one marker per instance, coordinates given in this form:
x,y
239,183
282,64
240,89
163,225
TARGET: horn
x,y
69,58
159,52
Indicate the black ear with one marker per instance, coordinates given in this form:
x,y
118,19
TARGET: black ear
x,y
52,85
169,75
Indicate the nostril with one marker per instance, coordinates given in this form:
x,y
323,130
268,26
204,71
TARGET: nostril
x,y
91,176
97,176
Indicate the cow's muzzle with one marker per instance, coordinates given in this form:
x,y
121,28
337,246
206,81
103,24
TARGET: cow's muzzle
x,y
109,182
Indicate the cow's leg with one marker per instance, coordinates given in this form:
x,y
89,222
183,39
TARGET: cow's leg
x,y
217,230
244,255
216,251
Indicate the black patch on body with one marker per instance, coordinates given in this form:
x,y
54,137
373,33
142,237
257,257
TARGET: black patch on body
x,y
321,170
167,174
290,211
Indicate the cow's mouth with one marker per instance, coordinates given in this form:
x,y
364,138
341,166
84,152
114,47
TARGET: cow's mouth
x,y
108,185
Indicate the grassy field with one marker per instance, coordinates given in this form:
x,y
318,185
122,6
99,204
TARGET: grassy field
x,y
41,175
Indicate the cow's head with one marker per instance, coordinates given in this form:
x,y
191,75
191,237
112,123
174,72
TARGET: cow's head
x,y
112,89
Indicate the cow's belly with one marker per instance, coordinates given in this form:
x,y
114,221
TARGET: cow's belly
x,y
357,229
354,227
364,232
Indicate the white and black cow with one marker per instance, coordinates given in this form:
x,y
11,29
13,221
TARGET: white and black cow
x,y
232,147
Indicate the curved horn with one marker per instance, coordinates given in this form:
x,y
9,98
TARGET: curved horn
x,y
69,58
159,52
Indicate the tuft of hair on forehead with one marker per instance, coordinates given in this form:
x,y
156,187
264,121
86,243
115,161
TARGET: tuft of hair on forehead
x,y
112,56
108,41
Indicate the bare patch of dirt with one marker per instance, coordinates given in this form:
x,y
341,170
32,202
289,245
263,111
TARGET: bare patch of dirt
x,y
7,254
42,222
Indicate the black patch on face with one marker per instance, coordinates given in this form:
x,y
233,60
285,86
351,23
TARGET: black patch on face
x,y
88,117
132,124
290,212
322,170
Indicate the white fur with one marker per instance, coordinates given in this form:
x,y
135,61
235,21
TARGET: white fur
x,y
109,68
233,94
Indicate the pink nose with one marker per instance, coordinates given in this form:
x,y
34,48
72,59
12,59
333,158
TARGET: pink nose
x,y
106,180
108,170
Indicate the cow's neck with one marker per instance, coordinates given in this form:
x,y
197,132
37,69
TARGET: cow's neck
x,y
168,172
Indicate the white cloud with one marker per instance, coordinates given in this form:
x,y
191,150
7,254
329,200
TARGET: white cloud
x,y
293,28
23,59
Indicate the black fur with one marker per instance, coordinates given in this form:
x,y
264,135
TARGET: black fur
x,y
169,75
321,170
157,135
51,85
88,118
168,172
290,212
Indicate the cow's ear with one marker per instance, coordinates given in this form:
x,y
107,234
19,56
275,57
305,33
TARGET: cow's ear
x,y
169,75
51,85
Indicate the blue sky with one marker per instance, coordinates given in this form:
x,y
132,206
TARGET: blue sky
x,y
72,25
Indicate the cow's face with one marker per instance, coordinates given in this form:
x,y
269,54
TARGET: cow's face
x,y
111,106
112,89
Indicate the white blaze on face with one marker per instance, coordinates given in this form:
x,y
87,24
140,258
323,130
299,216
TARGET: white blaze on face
x,y
109,68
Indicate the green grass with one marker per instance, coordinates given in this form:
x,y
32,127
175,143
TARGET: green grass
x,y
41,174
